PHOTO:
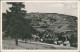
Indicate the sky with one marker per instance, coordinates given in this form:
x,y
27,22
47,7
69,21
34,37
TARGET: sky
x,y
68,8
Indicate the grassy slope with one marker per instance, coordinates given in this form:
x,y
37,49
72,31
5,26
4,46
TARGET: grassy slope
x,y
10,44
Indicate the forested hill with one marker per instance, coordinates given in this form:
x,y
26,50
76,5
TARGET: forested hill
x,y
54,21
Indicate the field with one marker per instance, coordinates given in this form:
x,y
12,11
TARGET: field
x,y
10,44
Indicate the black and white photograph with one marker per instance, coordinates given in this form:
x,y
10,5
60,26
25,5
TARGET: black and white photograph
x,y
39,25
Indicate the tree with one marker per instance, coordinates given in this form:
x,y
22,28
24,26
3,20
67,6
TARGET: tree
x,y
27,30
14,20
52,20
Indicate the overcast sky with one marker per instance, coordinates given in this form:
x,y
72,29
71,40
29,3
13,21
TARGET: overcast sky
x,y
69,8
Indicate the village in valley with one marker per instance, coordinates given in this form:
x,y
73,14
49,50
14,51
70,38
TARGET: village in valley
x,y
52,25
38,30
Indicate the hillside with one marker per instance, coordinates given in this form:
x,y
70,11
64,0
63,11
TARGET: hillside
x,y
54,21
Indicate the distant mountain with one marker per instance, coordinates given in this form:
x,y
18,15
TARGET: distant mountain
x,y
54,21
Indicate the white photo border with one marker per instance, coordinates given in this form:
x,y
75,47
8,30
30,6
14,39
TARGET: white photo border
x,y
42,50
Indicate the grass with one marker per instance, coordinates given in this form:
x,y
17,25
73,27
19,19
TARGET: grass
x,y
10,44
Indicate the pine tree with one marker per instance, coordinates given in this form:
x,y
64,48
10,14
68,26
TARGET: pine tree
x,y
14,20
